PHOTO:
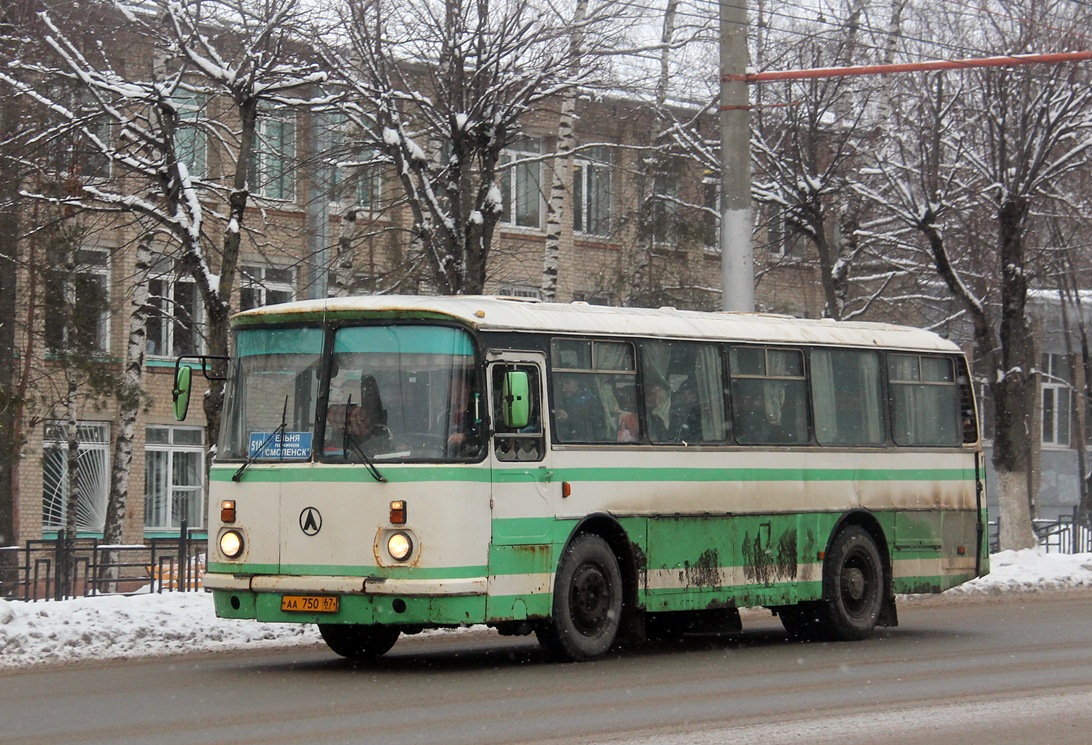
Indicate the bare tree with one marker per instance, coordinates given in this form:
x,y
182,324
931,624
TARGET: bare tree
x,y
243,54
990,152
438,91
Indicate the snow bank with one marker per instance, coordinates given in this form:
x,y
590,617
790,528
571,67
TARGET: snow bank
x,y
119,627
1031,570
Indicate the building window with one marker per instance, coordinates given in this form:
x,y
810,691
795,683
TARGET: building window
x,y
76,150
191,140
514,290
785,238
352,172
710,214
173,312
92,477
272,169
265,285
1057,388
89,306
592,192
174,478
520,178
662,208
591,297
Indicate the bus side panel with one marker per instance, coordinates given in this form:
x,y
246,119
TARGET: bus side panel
x,y
933,551
711,561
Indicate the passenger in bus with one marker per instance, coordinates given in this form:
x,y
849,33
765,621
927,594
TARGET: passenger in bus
x,y
578,411
626,398
461,424
749,416
685,417
364,423
657,408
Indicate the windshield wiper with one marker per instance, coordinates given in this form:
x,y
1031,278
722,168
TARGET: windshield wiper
x,y
250,458
347,438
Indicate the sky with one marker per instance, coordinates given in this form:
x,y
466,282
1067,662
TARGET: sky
x,y
120,627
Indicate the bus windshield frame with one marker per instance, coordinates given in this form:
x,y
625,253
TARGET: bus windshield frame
x,y
354,393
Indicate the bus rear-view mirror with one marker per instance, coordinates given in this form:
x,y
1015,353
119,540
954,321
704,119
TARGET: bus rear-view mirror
x,y
181,392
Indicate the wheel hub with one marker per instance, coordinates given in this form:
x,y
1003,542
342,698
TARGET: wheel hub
x,y
590,601
853,584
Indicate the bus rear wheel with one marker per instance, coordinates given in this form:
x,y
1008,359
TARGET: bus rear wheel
x,y
587,601
356,642
853,585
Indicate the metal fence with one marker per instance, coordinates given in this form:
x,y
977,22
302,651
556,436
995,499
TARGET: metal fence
x,y
1065,534
55,569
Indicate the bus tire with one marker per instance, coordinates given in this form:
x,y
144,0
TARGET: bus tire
x,y
357,642
853,585
587,610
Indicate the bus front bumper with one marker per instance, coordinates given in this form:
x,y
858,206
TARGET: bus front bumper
x,y
345,585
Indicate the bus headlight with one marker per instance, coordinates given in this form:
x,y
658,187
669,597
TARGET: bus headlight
x,y
231,544
399,546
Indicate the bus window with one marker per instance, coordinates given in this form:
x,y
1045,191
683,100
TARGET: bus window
x,y
593,383
518,443
683,392
847,396
925,400
769,396
273,389
403,393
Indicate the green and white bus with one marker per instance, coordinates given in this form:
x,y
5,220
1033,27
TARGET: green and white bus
x,y
390,464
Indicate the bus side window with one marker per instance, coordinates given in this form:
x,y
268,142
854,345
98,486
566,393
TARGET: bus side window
x,y
769,396
518,443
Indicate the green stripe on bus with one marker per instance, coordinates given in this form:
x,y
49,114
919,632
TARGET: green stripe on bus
x,y
763,474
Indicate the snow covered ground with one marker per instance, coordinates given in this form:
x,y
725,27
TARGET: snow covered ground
x,y
179,623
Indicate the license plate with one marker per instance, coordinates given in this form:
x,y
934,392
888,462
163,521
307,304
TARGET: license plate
x,y
309,603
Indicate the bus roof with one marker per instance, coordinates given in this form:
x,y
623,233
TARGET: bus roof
x,y
494,313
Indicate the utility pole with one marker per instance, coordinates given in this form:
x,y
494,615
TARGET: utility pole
x,y
736,249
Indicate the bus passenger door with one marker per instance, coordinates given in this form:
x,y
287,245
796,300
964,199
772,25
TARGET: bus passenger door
x,y
521,560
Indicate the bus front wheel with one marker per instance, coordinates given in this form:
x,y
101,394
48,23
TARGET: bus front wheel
x,y
356,642
587,601
853,585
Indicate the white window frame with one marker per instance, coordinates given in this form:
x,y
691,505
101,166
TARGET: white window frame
x,y
163,311
663,208
710,214
1056,415
593,192
173,443
509,289
520,175
73,146
191,140
273,169
352,179
94,463
782,240
267,286
99,269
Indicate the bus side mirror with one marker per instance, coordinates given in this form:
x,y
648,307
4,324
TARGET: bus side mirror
x,y
516,399
181,392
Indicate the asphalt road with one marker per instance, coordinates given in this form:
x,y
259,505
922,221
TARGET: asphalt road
x,y
1012,670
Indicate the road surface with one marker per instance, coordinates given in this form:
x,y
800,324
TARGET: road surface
x,y
1000,670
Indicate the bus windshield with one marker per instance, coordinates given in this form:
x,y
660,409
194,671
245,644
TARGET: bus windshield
x,y
272,394
401,392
